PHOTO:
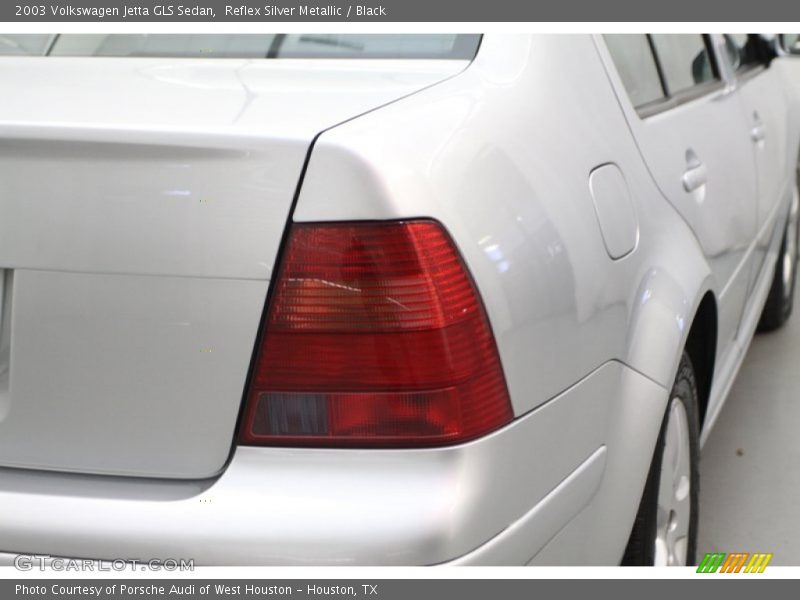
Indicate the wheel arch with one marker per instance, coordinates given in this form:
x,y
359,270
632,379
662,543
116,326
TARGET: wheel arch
x,y
701,346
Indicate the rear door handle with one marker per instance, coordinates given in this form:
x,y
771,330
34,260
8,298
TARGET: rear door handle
x,y
757,133
695,176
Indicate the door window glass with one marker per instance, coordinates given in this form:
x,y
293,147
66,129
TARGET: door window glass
x,y
684,59
742,50
791,42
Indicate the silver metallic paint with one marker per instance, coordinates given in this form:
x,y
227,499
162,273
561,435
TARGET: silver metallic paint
x,y
501,154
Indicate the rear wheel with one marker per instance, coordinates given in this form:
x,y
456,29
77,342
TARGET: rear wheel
x,y
665,530
780,301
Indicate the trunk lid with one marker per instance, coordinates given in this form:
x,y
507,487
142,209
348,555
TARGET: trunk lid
x,y
142,203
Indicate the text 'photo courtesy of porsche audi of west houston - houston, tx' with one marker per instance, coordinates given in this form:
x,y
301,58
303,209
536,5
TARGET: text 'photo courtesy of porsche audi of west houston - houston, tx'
x,y
381,299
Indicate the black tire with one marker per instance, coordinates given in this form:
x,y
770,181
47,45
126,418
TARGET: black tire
x,y
641,545
780,300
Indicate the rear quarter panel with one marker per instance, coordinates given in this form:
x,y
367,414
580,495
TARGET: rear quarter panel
x,y
501,155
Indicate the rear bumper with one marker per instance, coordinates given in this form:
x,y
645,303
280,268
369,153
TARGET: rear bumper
x,y
498,500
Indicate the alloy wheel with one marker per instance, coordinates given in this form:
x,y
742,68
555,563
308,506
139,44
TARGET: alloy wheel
x,y
674,491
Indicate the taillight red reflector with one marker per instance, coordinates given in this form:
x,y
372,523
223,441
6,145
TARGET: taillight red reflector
x,y
375,336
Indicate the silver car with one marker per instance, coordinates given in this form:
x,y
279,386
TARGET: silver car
x,y
381,299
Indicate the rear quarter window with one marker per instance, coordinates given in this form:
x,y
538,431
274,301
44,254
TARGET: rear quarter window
x,y
636,66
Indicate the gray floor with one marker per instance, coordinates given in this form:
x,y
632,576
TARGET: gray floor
x,y
750,466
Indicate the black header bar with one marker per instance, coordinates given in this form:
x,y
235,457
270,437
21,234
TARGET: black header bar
x,y
281,11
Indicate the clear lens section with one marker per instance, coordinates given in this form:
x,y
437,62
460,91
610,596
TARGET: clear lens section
x,y
365,416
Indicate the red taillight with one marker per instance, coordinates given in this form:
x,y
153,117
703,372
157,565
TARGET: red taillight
x,y
375,336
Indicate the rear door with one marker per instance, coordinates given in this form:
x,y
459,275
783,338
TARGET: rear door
x,y
690,129
765,108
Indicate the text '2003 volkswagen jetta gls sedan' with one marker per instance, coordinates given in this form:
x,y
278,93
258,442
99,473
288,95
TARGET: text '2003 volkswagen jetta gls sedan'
x,y
381,299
